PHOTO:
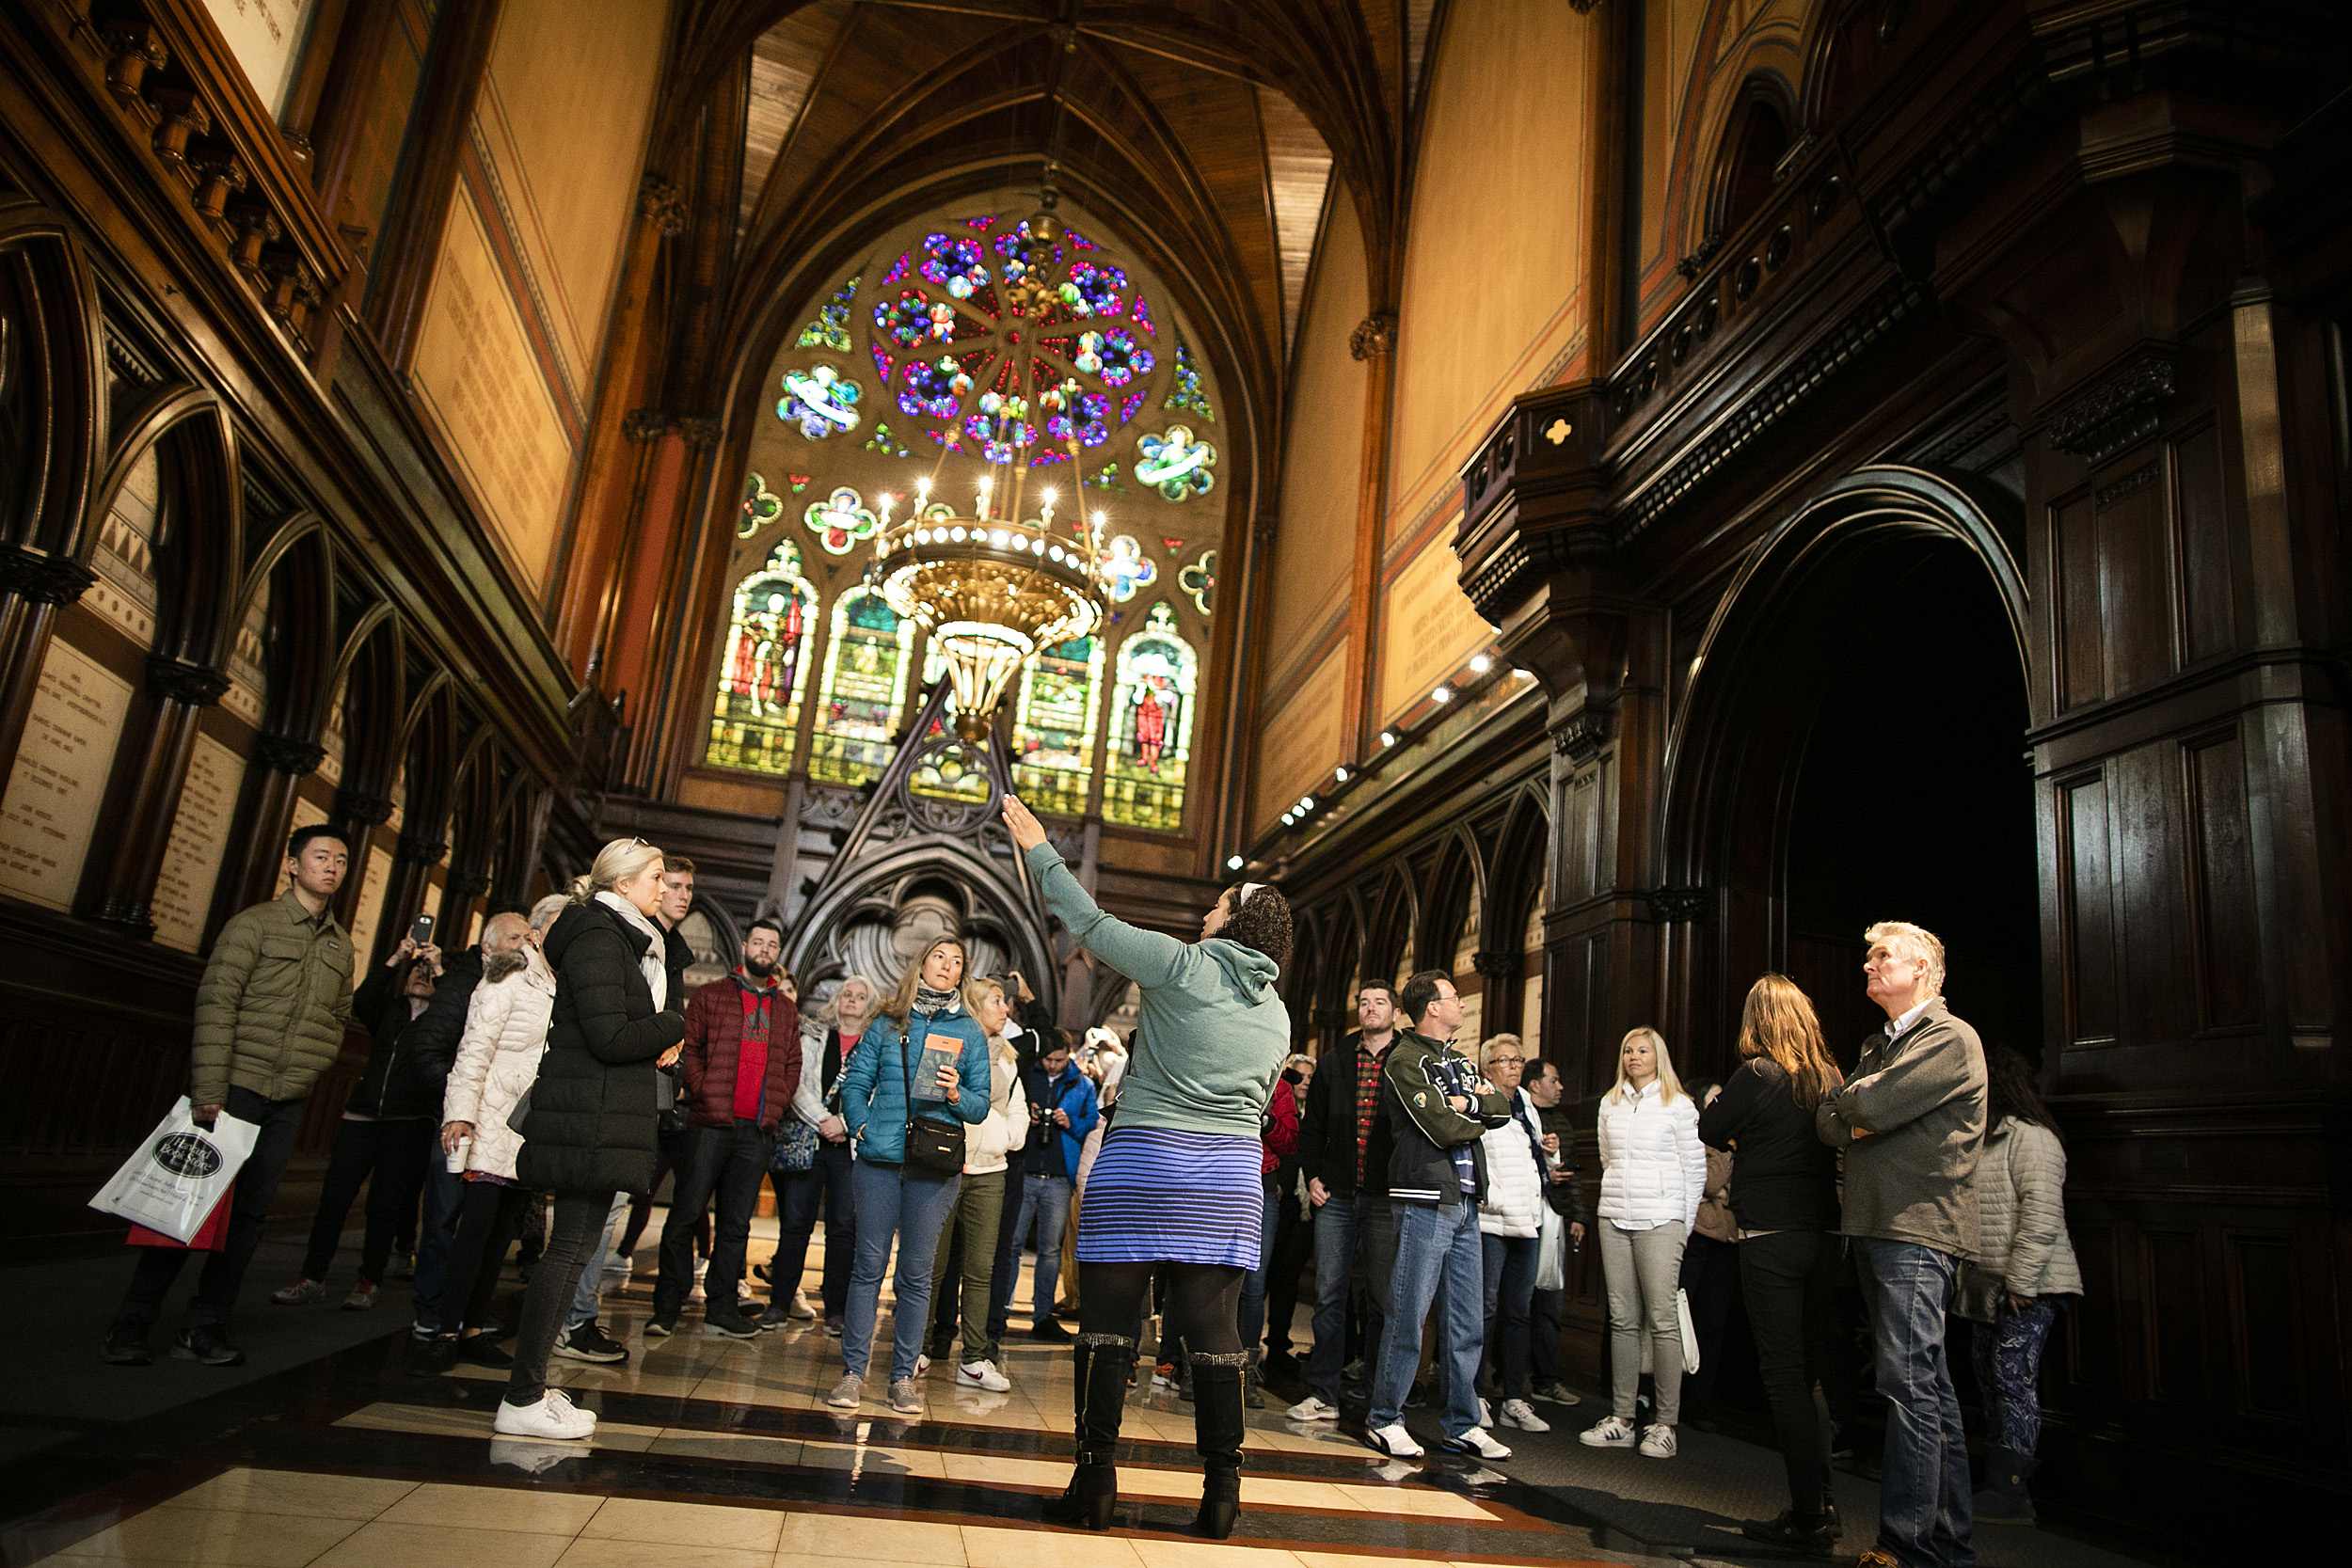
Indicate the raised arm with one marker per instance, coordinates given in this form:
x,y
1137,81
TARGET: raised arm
x,y
1147,958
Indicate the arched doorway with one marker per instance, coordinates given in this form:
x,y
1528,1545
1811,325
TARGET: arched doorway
x,y
1852,747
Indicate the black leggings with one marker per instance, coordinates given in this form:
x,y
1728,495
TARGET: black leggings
x,y
1200,1304
574,1233
488,1216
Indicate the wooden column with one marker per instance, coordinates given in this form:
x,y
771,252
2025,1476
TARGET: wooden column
x,y
358,813
273,781
144,797
1374,343
411,245
1505,998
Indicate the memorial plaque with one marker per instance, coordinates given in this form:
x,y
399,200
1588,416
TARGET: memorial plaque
x,y
199,832
51,808
1428,626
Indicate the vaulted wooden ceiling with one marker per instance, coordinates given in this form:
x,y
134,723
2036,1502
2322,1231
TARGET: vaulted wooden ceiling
x,y
1208,132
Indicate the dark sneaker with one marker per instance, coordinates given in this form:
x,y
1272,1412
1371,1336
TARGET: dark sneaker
x,y
1820,1538
431,1357
208,1345
721,1324
302,1292
833,1327
126,1346
482,1350
771,1320
660,1328
1051,1332
589,1343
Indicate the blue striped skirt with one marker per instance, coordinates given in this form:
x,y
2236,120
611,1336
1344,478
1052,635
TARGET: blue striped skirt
x,y
1157,1195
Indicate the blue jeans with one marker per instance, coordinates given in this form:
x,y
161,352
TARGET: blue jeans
x,y
1253,1283
902,1202
1339,1225
800,1198
1438,1258
1044,1200
583,1310
1510,1263
1923,1495
443,1195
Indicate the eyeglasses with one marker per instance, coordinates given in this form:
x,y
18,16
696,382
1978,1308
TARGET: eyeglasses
x,y
1505,1061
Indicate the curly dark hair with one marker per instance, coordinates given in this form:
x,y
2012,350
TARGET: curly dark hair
x,y
1263,923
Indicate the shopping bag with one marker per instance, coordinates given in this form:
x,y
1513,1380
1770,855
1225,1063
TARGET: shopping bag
x,y
213,1236
1689,1340
175,1178
1551,1252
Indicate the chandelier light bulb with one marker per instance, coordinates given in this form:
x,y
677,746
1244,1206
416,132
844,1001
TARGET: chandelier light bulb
x,y
1233,863
923,488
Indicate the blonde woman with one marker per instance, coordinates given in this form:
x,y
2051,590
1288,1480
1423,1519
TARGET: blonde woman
x,y
1653,1175
591,1127
922,1056
980,1211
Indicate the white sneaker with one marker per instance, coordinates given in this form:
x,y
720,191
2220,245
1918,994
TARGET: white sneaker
x,y
1486,1413
847,1392
1519,1413
1614,1432
922,1365
982,1374
1312,1409
1658,1443
1394,1441
802,1312
552,1416
1476,1441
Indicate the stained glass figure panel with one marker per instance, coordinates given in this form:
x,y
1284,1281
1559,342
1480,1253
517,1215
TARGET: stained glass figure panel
x,y
864,686
765,674
1053,733
1151,741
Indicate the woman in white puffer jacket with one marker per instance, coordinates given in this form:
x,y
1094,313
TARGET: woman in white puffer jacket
x,y
1653,1176
979,1212
1510,1222
497,1060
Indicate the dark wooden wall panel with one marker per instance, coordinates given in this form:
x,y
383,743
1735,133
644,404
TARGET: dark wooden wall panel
x,y
2094,1330
2089,911
2135,591
2157,997
2173,1268
2266,1325
2202,535
2221,885
2075,632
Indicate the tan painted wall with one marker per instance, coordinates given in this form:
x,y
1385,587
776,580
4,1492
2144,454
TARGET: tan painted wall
x,y
1427,627
1301,743
1323,455
1494,246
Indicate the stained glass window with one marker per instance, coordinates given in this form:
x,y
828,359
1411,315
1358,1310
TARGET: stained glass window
x,y
1150,725
765,673
1053,732
865,669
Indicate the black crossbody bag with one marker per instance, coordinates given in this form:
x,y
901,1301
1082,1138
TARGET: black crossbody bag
x,y
933,1143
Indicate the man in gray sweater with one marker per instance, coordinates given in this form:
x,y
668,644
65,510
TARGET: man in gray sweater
x,y
1910,1121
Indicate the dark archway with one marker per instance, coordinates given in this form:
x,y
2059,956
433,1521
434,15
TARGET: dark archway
x,y
1852,748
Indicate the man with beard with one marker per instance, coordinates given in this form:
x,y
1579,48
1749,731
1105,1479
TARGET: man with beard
x,y
740,1066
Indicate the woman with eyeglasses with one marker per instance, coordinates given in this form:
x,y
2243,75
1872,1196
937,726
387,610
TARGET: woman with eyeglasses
x,y
591,1127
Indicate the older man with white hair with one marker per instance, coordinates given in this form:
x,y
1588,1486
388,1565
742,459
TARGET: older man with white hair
x,y
1910,1121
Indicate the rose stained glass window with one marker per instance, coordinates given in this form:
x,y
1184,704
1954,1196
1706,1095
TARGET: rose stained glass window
x,y
764,671
1151,741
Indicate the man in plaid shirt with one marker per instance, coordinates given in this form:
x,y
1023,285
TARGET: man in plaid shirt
x,y
1344,1150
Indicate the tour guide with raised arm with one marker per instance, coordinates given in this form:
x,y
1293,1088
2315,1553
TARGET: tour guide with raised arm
x,y
1177,1180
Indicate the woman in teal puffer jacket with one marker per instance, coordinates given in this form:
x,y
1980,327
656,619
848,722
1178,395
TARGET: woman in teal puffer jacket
x,y
896,1073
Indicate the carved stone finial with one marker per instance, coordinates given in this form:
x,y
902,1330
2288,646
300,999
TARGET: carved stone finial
x,y
646,424
1503,966
178,681
285,755
1374,334
700,430
417,849
660,202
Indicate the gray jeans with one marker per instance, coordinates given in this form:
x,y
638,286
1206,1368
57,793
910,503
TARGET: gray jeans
x,y
1642,1268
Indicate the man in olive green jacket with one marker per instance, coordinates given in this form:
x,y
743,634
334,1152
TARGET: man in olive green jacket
x,y
270,1016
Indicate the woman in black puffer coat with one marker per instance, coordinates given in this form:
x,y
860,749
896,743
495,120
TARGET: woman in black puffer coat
x,y
591,1127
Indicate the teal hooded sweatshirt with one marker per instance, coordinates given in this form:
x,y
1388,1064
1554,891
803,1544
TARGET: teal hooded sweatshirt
x,y
1213,1036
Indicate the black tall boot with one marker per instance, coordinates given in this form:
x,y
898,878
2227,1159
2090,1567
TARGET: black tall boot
x,y
1216,1427
1101,1396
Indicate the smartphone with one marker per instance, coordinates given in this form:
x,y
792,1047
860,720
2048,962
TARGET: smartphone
x,y
421,932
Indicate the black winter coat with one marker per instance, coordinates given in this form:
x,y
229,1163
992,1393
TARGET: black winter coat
x,y
394,1082
437,1029
593,1122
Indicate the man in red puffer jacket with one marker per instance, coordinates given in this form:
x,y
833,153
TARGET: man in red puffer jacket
x,y
739,1067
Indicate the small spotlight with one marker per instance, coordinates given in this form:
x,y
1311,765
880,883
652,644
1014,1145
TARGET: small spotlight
x,y
1340,773
1480,664
1233,863
1388,737
1444,694
1306,803
1518,675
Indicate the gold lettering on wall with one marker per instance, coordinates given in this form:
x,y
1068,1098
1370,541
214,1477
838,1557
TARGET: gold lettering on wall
x,y
1427,627
1302,738
184,893
477,372
51,808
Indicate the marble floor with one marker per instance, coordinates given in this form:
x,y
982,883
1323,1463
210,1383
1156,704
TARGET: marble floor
x,y
719,1453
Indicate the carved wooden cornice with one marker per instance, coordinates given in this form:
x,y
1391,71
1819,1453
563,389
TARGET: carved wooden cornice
x,y
2115,415
352,806
1504,966
417,849
1581,736
284,754
1679,903
176,680
642,425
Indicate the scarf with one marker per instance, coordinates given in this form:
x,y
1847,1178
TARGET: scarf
x,y
761,992
934,1003
655,964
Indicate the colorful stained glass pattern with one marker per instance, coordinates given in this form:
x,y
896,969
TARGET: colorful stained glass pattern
x,y
764,672
1176,464
842,521
1053,733
1143,316
911,321
885,443
954,264
1114,357
1199,580
1150,725
1126,569
831,329
864,686
933,390
1184,389
761,506
820,400
1093,289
